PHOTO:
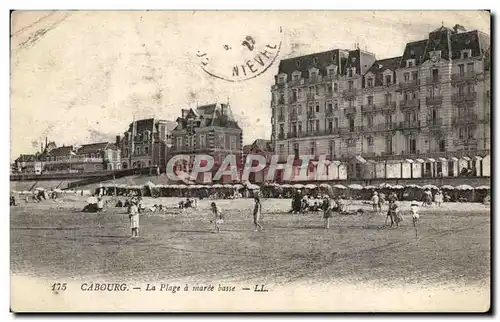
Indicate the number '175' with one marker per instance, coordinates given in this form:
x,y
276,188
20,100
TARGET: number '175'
x,y
59,286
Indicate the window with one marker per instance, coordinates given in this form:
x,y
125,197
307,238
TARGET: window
x,y
388,120
312,146
465,55
409,63
311,89
370,140
330,71
369,82
179,143
300,128
388,144
350,72
330,126
470,89
329,88
414,76
442,145
461,90
146,150
146,136
233,142
461,69
335,87
336,122
282,129
294,95
351,124
435,75
296,150
317,87
299,110
331,148
369,121
470,67
310,126
460,133
388,98
329,108
281,79
92,155
202,141
295,77
125,152
406,77
388,80
317,125
317,107
370,100
282,148
413,95
336,106
350,85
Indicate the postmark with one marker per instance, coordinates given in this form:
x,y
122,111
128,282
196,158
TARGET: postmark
x,y
242,57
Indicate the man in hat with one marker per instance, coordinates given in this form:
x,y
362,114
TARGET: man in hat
x,y
257,211
414,212
297,202
375,202
328,211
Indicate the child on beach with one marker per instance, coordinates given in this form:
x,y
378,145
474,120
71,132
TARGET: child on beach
x,y
219,218
134,219
414,212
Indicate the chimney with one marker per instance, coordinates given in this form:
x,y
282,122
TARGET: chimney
x,y
117,141
45,142
41,147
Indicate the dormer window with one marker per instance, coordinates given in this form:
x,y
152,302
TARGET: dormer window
x,y
281,79
369,82
466,53
295,77
388,80
410,63
297,63
315,60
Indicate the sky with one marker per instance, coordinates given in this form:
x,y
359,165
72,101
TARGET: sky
x,y
79,77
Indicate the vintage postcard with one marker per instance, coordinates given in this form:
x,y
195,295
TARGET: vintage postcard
x,y
250,161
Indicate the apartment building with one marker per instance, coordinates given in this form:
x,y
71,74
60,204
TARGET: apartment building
x,y
209,130
423,114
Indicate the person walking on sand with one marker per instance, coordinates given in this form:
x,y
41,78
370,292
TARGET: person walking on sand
x,y
134,219
438,198
218,217
375,202
257,211
328,211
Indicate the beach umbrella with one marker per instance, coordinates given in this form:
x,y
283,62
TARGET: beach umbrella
x,y
40,189
310,186
413,186
370,187
385,185
355,186
398,186
324,185
217,185
182,186
286,185
430,186
339,186
25,192
464,187
228,185
191,186
483,188
447,187
238,186
298,186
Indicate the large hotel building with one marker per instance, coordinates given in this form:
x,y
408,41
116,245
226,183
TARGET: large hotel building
x,y
423,114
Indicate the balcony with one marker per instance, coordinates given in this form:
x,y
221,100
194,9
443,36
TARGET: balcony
x,y
434,100
293,99
408,125
464,97
311,114
328,94
281,101
380,127
466,76
406,104
293,117
467,118
329,113
368,108
314,80
310,96
433,80
294,134
349,93
281,136
437,122
388,106
409,84
281,118
350,110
